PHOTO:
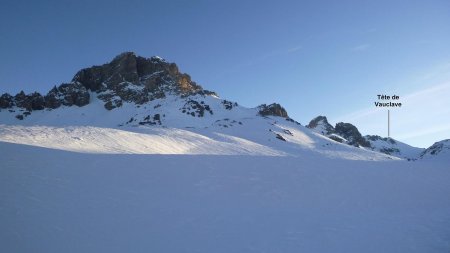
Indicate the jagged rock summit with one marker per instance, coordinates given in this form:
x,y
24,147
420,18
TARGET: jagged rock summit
x,y
127,78
342,132
320,124
132,78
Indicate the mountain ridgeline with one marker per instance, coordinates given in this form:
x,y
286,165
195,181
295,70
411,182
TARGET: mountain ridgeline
x,y
127,78
348,134
147,83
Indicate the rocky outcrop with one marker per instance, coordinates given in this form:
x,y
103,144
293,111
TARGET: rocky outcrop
x,y
351,134
21,100
228,104
388,148
6,101
66,94
342,132
320,124
33,101
37,101
73,94
379,138
272,110
195,108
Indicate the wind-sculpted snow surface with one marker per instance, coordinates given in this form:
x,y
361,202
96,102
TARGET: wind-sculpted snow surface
x,y
59,201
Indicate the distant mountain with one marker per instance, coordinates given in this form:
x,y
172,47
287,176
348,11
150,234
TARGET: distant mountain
x,y
132,92
349,134
440,149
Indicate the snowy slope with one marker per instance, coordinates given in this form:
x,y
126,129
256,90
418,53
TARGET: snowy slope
x,y
123,105
133,129
393,147
376,143
59,201
439,150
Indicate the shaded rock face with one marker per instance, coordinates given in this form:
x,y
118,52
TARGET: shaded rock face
x,y
67,94
136,79
351,133
33,101
73,94
120,69
37,101
272,110
53,99
21,100
6,101
342,132
321,124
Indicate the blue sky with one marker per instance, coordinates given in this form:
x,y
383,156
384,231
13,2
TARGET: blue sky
x,y
314,57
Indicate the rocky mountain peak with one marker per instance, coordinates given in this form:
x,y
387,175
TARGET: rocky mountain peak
x,y
342,132
132,78
351,134
320,124
128,67
127,78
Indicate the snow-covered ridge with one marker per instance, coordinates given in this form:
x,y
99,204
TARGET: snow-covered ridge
x,y
349,134
149,99
440,149
196,124
393,147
